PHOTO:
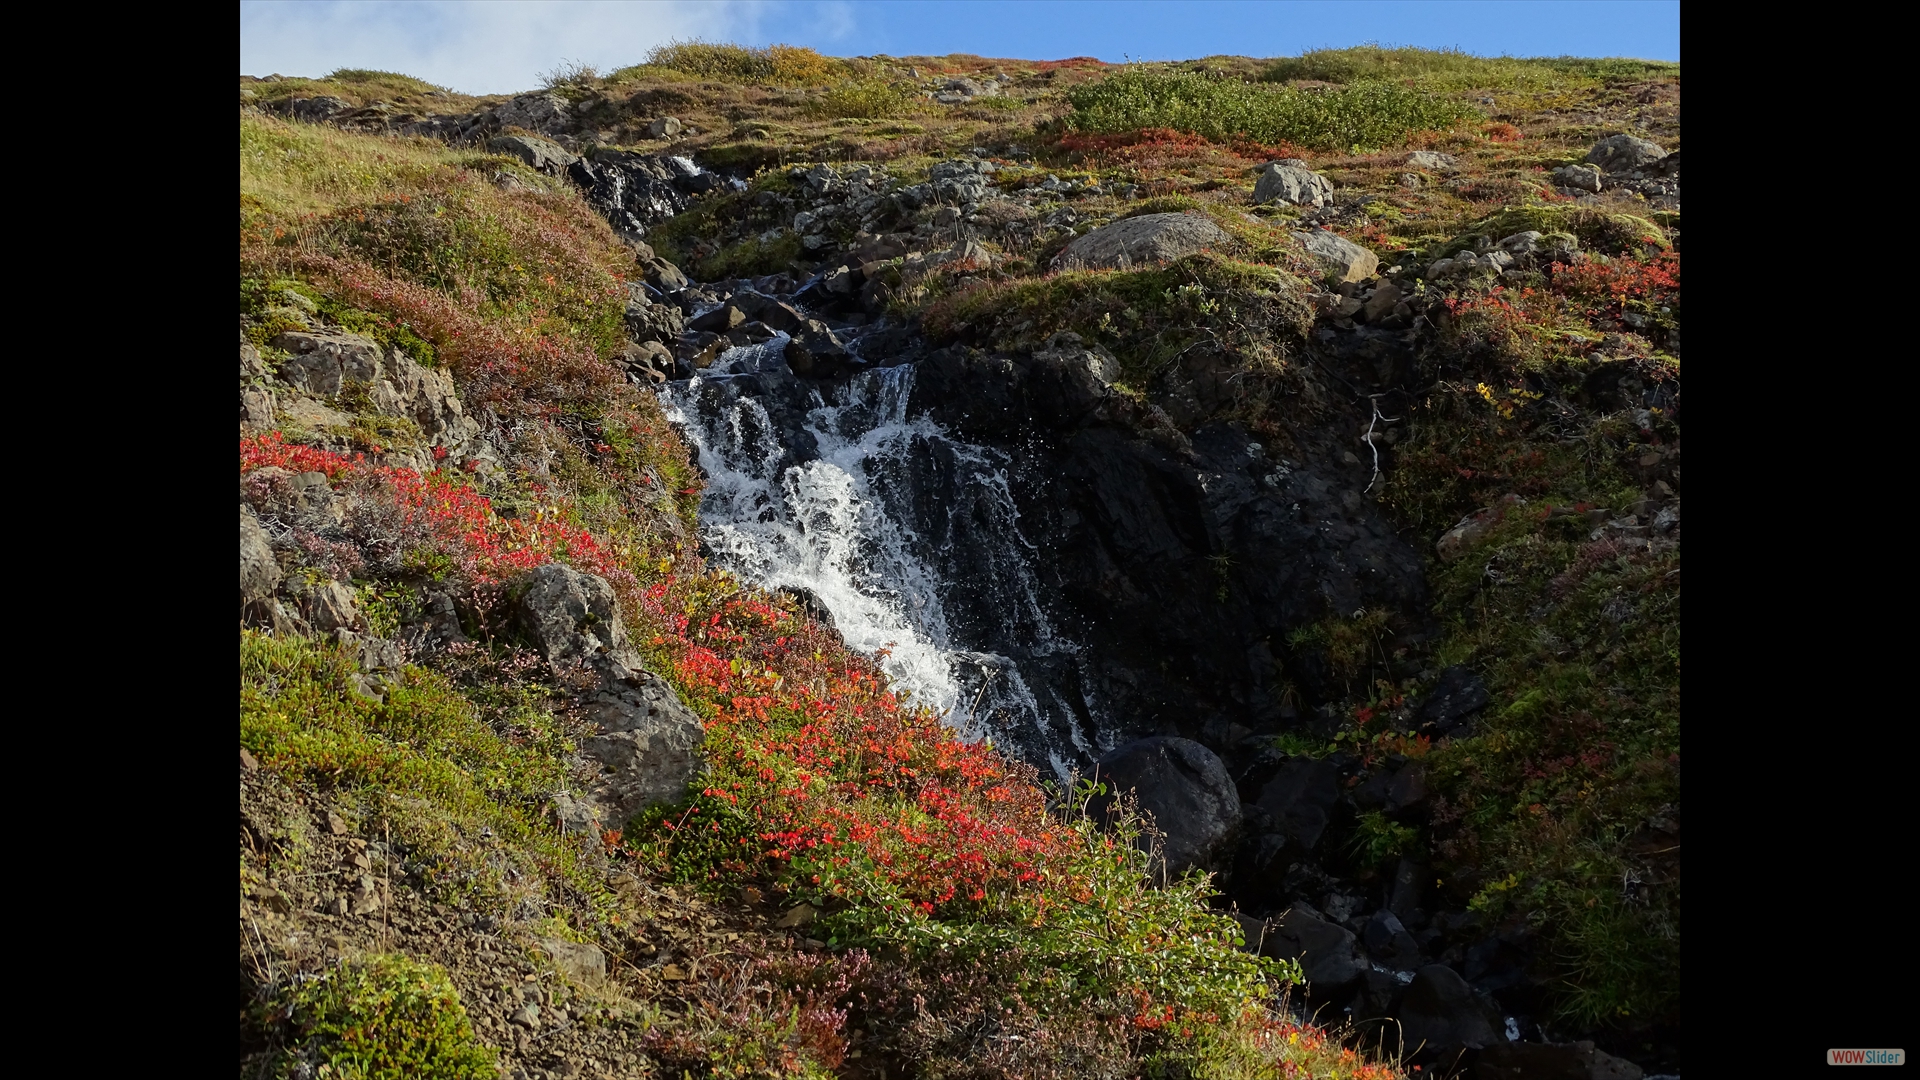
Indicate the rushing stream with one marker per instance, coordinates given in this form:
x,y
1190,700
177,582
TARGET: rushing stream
x,y
908,539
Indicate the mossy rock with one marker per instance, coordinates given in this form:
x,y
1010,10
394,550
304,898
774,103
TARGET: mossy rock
x,y
1597,230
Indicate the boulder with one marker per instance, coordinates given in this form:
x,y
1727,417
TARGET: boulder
x,y
1552,1061
1389,944
568,615
538,154
1344,259
1455,697
664,274
1325,951
1579,177
648,747
1186,791
663,128
316,109
259,571
1431,161
543,111
1441,1012
331,607
584,964
1292,184
1624,153
1143,240
325,363
960,91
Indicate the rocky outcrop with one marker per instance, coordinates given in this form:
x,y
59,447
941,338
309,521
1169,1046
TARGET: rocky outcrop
x,y
648,744
1343,259
1293,184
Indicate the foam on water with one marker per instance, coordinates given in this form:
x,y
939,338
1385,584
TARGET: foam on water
x,y
839,527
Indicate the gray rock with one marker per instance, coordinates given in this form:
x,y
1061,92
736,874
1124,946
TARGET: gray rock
x,y
543,111
1431,161
1580,177
963,180
568,615
332,607
1344,259
1442,1012
665,275
1186,791
316,109
1291,184
649,745
960,91
259,572
437,627
584,964
304,499
1389,943
321,362
538,154
663,128
527,1016
1624,153
1143,241
1325,951
373,654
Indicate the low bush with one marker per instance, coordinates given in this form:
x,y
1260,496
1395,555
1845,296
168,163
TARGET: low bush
x,y
1452,69
1363,115
863,99
785,65
381,1018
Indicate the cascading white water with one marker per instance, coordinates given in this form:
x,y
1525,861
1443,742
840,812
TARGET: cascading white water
x,y
840,525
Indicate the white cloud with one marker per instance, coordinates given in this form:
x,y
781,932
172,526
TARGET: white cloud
x,y
474,47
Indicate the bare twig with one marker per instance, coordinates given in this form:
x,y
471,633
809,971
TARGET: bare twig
x,y
1373,400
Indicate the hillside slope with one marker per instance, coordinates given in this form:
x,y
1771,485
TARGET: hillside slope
x,y
1358,475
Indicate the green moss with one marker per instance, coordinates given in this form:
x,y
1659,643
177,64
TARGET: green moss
x,y
382,1018
1146,317
752,257
442,766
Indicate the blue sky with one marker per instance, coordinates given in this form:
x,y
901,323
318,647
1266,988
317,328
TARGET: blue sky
x,y
497,46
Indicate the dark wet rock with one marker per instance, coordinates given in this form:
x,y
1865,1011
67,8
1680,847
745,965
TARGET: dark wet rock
x,y
1325,951
1455,698
1441,1012
1186,791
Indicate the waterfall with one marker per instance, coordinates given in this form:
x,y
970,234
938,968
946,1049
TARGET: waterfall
x,y
907,537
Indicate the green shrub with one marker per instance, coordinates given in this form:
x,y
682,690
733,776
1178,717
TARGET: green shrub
x,y
1364,115
864,99
1451,69
779,64
383,1018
